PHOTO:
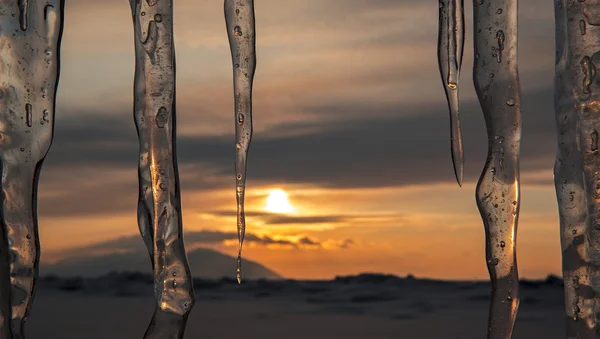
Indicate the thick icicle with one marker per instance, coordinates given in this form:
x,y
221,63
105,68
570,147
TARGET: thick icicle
x,y
568,179
239,18
159,207
30,40
451,41
496,79
577,176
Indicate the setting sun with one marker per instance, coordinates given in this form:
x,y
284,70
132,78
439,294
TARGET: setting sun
x,y
277,202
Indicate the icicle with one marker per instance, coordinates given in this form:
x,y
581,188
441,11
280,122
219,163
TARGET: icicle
x,y
239,18
451,41
30,47
568,179
159,208
498,191
577,170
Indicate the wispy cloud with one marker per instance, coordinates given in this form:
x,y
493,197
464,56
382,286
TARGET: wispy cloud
x,y
203,238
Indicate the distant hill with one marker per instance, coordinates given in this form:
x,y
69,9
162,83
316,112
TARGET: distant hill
x,y
204,263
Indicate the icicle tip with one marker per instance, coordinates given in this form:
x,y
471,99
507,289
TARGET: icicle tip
x,y
238,273
458,172
458,161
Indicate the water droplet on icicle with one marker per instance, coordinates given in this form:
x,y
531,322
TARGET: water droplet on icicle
x,y
28,115
589,71
23,14
238,272
162,117
493,262
500,37
51,18
594,143
237,30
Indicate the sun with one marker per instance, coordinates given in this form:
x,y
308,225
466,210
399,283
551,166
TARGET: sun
x,y
277,202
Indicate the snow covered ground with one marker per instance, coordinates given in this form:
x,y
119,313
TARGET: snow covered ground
x,y
358,307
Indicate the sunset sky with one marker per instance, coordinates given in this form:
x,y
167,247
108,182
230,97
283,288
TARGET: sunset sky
x,y
350,121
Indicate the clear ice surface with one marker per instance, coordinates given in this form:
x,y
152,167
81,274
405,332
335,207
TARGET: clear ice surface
x,y
239,19
496,79
451,41
30,37
159,206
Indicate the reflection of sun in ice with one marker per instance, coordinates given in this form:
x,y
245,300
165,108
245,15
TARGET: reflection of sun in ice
x,y
277,202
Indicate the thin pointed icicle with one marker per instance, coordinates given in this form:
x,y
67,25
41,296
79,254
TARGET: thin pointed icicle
x,y
159,207
30,41
496,79
239,18
577,100
451,41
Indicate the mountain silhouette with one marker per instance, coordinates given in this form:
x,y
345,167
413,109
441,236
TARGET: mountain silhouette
x,y
204,263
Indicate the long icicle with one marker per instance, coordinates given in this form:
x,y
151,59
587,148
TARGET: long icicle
x,y
159,207
496,79
570,194
30,41
578,104
239,18
451,41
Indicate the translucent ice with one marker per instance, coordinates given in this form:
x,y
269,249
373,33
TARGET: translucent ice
x,y
496,80
239,18
159,206
30,38
451,41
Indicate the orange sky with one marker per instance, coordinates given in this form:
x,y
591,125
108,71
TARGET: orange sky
x,y
380,201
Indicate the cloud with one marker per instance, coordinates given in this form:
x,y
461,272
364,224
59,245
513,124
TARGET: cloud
x,y
326,113
280,219
283,220
201,238
348,152
92,161
312,37
347,243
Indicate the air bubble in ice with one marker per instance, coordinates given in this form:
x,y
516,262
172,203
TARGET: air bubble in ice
x,y
162,117
237,31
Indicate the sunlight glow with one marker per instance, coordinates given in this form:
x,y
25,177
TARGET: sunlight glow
x,y
277,202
